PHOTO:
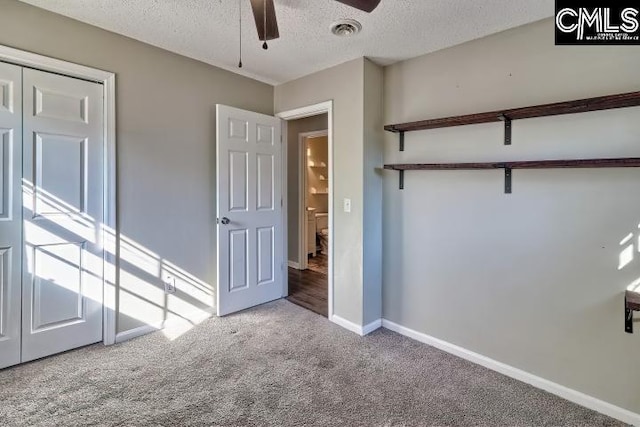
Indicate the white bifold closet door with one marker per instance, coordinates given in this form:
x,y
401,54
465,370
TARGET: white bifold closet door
x,y
10,212
63,210
50,250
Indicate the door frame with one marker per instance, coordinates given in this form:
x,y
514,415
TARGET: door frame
x,y
301,113
302,194
109,233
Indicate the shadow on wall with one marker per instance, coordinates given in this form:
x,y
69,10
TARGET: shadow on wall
x,y
143,274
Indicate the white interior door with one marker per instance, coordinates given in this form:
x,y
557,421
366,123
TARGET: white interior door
x,y
63,210
10,212
250,230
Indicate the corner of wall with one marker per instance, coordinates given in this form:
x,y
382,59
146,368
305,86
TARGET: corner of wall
x,y
373,150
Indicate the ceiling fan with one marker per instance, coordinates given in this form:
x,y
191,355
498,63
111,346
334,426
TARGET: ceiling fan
x,y
267,25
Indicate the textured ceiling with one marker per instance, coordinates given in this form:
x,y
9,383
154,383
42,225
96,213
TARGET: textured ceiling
x,y
207,30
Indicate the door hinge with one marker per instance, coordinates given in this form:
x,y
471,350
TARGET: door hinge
x,y
281,203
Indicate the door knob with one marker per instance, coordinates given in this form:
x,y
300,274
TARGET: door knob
x,y
225,220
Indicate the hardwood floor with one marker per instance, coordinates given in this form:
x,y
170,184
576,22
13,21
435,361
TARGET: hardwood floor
x,y
309,289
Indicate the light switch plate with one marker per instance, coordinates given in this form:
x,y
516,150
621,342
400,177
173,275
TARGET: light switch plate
x,y
347,205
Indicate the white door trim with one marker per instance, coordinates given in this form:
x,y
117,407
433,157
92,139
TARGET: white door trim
x,y
300,113
109,235
302,195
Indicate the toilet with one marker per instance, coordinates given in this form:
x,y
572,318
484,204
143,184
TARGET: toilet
x,y
322,231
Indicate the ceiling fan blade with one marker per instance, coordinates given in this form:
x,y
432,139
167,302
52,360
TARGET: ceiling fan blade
x,y
272,23
365,5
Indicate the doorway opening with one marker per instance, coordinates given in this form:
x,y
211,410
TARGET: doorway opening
x,y
309,208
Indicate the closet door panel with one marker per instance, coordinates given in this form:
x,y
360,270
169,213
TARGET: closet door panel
x,y
10,212
63,209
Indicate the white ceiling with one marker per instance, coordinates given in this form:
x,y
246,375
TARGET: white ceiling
x,y
207,30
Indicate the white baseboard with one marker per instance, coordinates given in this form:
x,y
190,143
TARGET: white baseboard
x,y
294,264
136,332
574,396
367,329
154,327
346,324
353,327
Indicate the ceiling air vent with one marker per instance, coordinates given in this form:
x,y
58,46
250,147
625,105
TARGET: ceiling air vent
x,y
346,28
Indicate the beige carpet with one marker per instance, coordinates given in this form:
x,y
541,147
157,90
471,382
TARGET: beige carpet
x,y
278,365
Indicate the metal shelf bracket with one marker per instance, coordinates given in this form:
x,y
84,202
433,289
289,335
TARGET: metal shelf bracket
x,y
507,180
507,128
631,304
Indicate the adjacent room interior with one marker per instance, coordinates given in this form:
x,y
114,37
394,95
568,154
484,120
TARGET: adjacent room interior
x,y
316,190
308,173
278,212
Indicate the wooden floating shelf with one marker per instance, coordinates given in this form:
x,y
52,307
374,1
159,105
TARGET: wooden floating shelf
x,y
608,102
633,300
627,162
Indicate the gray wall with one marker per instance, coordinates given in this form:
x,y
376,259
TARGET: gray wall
x,y
344,84
294,128
356,90
531,279
373,153
166,154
